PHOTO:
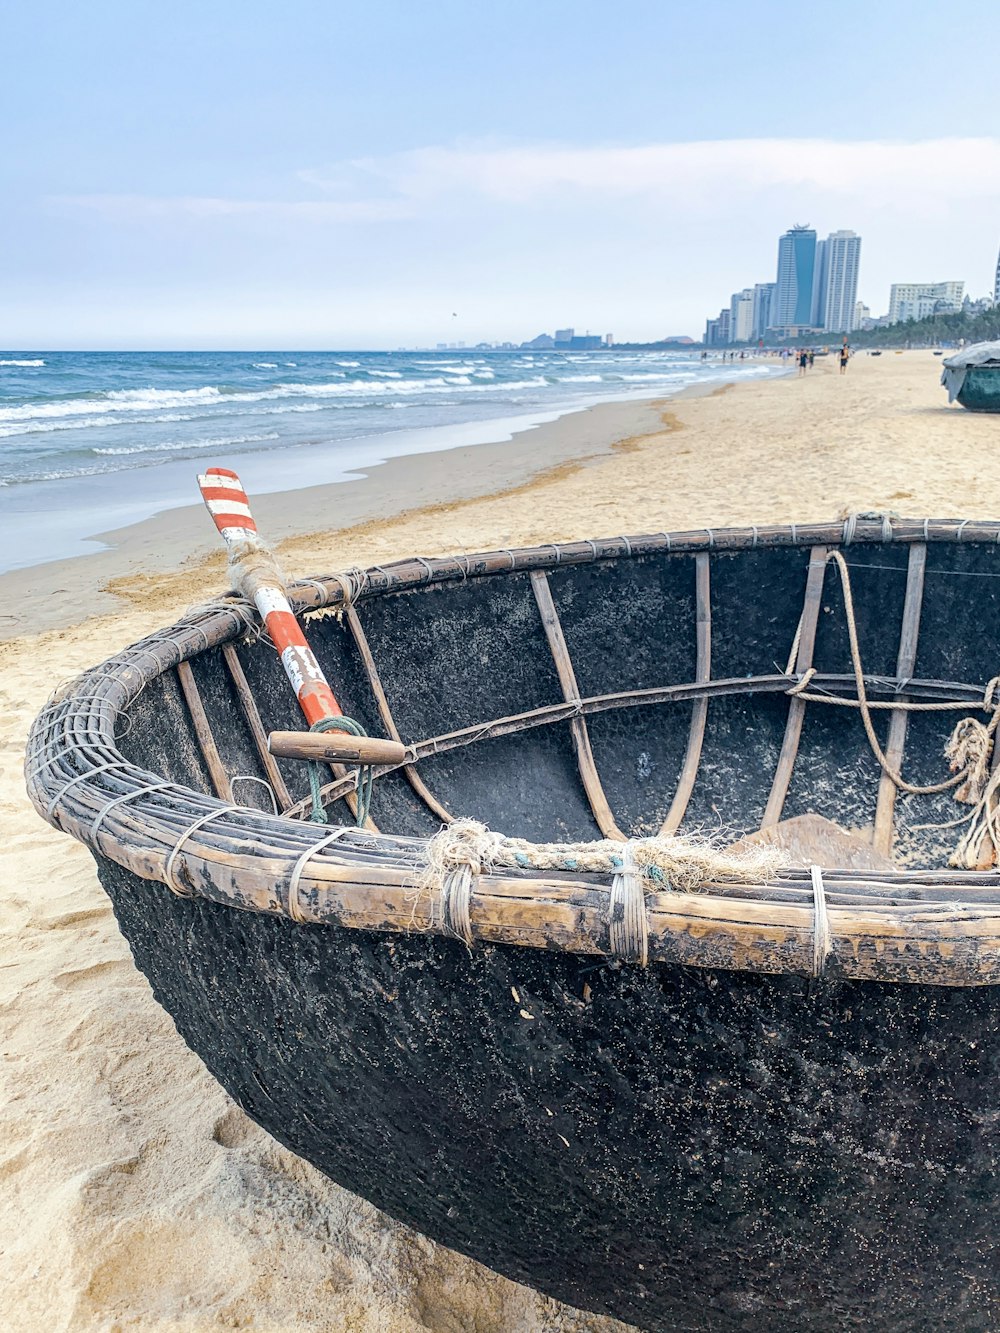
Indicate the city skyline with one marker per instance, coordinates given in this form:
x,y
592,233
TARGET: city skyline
x,y
816,292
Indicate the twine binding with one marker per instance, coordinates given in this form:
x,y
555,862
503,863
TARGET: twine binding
x,y
628,930
168,868
294,902
822,939
120,800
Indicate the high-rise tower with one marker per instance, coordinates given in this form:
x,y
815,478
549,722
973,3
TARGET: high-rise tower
x,y
793,294
996,284
838,292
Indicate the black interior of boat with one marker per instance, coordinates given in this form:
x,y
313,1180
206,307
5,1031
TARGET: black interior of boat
x,y
456,655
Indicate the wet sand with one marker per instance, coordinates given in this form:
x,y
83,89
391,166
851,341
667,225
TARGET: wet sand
x,y
134,1193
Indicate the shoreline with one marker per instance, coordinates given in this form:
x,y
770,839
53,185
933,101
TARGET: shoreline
x,y
59,594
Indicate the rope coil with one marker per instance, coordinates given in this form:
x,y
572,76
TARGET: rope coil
x,y
456,903
970,746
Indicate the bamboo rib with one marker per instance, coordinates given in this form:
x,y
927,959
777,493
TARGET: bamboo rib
x,y
589,775
250,711
420,787
906,660
203,732
796,707
699,709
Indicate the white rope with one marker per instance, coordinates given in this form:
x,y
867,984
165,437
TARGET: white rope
x,y
168,869
456,903
822,941
120,800
294,904
81,777
628,930
249,777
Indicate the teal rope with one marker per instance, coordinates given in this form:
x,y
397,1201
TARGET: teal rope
x,y
366,775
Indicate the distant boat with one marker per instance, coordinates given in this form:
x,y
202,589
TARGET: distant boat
x,y
972,377
876,353
939,353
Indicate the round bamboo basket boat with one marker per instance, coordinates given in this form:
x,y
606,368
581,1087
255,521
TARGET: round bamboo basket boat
x,y
733,1105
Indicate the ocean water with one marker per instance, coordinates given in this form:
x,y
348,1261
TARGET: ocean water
x,y
94,440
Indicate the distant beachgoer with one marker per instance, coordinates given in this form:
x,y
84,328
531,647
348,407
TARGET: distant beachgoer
x,y
803,362
845,354
812,358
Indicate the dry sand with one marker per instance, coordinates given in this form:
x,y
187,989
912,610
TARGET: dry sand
x,y
133,1193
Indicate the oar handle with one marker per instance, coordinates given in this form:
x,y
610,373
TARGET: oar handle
x,y
229,506
336,747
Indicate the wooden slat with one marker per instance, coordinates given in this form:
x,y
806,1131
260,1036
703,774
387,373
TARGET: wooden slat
x,y
551,714
796,707
699,709
257,730
578,727
420,787
909,631
203,732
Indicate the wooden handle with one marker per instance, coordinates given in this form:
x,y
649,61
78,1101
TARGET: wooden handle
x,y
337,747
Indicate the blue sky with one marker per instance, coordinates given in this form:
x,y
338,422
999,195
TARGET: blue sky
x,y
370,175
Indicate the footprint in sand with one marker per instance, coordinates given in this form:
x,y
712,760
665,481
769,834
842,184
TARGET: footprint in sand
x,y
233,1129
85,976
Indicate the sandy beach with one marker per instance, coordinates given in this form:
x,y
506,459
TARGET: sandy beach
x,y
135,1194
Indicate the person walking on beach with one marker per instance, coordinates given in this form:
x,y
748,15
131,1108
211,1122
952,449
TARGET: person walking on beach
x,y
803,361
845,354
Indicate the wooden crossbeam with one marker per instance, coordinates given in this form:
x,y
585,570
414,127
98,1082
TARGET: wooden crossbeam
x,y
797,707
699,709
742,686
592,784
908,634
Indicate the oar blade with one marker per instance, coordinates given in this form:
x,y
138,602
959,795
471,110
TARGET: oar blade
x,y
228,504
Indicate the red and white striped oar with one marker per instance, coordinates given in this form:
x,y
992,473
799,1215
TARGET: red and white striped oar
x,y
257,576
227,502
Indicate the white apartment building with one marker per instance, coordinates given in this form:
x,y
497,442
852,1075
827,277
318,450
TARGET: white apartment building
x,y
741,316
917,300
838,285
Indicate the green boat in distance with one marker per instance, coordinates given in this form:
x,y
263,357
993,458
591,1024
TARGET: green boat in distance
x,y
972,377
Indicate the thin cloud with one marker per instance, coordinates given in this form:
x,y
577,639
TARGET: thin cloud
x,y
141,207
681,178
968,168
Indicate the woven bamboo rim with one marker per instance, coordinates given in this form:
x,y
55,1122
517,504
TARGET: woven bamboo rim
x,y
926,927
